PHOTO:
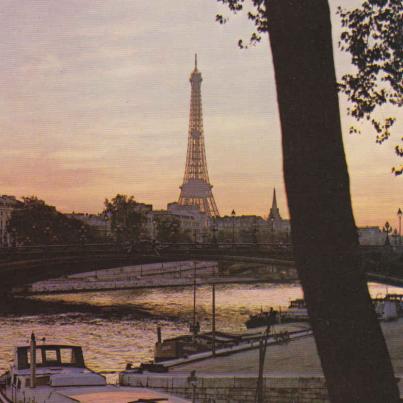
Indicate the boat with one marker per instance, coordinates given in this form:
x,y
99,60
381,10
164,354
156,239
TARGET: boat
x,y
188,348
55,373
389,307
187,345
267,318
296,312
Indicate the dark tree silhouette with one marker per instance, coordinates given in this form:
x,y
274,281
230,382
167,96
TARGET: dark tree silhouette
x,y
36,223
168,229
127,218
350,343
373,36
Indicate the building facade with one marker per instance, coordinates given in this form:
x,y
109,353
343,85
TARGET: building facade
x,y
7,205
371,236
192,221
99,222
244,228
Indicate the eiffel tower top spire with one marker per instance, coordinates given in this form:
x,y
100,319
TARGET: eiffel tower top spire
x,y
196,187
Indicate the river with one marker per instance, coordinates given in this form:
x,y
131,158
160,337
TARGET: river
x,y
110,341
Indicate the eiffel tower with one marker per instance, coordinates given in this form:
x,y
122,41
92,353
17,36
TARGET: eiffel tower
x,y
196,189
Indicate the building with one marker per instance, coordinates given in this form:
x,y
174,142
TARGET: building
x,y
7,205
187,224
277,225
192,214
371,236
99,222
196,189
244,228
192,220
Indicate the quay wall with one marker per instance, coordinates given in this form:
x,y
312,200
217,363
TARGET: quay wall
x,y
139,276
234,389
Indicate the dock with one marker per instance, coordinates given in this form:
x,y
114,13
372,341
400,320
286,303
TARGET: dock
x,y
292,372
234,344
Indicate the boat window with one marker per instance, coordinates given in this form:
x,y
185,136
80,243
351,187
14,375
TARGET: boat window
x,y
51,357
38,357
67,356
22,358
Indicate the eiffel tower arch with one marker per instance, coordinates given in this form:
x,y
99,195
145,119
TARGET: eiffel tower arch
x,y
196,189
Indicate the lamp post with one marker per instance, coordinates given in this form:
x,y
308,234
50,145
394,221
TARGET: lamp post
x,y
154,229
119,234
14,238
254,231
233,227
272,229
387,229
214,229
83,234
192,380
47,234
399,216
395,237
107,217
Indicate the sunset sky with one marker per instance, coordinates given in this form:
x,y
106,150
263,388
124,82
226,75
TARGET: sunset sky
x,y
94,101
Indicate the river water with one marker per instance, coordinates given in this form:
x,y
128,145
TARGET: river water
x,y
110,341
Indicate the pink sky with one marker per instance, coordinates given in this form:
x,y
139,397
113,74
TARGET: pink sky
x,y
95,100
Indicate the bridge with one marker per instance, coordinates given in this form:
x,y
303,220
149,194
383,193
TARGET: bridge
x,y
24,265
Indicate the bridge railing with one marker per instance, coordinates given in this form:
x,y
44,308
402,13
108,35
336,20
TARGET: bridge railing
x,y
378,259
143,247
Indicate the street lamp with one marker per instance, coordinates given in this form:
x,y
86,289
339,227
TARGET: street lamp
x,y
399,216
387,229
254,231
107,216
395,237
192,380
83,232
233,227
272,228
47,232
214,229
154,229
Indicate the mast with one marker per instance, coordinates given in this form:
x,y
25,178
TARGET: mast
x,y
213,321
194,301
33,360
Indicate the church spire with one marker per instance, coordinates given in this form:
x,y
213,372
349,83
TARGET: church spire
x,y
274,204
274,213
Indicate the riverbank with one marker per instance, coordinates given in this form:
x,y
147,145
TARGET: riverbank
x,y
161,275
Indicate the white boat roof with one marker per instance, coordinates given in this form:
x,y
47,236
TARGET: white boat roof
x,y
111,394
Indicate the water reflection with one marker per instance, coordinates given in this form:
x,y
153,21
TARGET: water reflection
x,y
110,342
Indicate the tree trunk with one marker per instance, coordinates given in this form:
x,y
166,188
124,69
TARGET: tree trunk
x,y
353,353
